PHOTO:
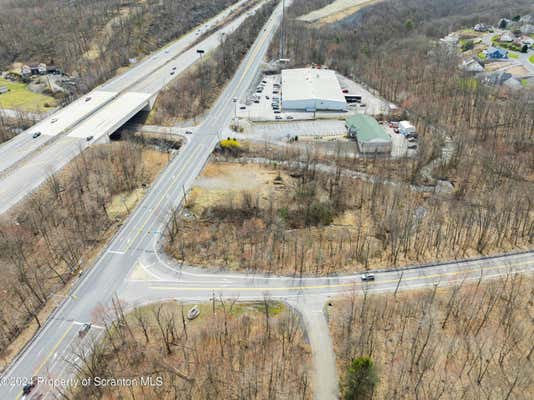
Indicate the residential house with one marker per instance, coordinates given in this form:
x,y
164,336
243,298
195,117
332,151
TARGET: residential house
x,y
527,29
481,28
471,65
507,37
495,53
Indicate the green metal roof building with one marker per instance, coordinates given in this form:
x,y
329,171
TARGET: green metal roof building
x,y
370,136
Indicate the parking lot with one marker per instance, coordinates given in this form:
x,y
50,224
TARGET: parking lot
x,y
401,146
290,129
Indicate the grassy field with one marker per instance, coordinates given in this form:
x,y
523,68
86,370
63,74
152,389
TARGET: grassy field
x,y
514,56
531,59
21,98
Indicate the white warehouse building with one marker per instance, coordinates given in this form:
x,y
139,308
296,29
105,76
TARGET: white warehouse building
x,y
310,89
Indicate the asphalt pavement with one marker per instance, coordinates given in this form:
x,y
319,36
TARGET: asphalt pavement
x,y
26,162
133,269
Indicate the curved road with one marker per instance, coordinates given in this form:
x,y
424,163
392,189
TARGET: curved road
x,y
132,268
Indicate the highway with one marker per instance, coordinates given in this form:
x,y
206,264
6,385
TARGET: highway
x,y
26,162
133,268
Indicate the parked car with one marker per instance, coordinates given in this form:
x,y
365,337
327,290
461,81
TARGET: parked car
x,y
278,117
277,111
345,90
368,277
36,135
363,105
267,97
396,130
193,313
412,140
412,135
172,72
412,147
242,108
188,132
289,117
83,330
89,138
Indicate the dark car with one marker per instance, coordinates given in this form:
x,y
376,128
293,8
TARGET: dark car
x,y
368,277
36,135
27,388
83,330
89,138
412,147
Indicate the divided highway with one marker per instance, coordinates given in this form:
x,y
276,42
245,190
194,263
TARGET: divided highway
x,y
133,269
26,162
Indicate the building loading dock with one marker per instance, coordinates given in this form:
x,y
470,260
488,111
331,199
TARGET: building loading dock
x,y
310,89
370,136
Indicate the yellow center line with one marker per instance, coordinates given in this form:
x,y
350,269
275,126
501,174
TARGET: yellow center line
x,y
327,286
49,355
169,187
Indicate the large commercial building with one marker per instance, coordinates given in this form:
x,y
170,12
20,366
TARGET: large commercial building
x,y
310,89
370,136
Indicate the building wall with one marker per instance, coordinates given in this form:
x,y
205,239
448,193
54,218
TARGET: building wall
x,y
313,105
374,147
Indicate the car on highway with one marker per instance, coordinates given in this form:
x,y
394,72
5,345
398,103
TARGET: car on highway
x,y
83,330
27,388
368,277
174,68
53,121
36,135
89,138
243,108
188,132
172,72
363,105
88,98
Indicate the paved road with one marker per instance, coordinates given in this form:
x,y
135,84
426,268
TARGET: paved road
x,y
25,162
133,269
44,357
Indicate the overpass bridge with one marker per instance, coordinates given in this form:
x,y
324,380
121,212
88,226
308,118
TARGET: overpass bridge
x,y
26,162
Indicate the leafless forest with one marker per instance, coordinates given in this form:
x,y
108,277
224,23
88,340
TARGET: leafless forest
x,y
92,39
472,341
194,92
45,240
231,351
355,223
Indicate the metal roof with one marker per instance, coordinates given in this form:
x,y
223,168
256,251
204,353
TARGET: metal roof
x,y
367,129
311,83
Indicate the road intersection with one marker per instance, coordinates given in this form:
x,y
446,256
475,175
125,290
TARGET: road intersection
x,y
133,269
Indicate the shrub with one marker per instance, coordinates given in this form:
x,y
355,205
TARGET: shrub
x,y
360,380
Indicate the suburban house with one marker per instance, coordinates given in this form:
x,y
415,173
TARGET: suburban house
x,y
496,53
507,37
471,65
33,69
481,28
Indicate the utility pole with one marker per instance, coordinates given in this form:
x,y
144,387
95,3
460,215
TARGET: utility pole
x,y
282,29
